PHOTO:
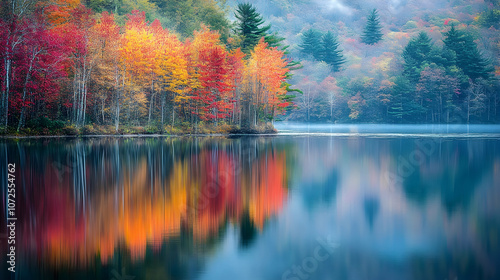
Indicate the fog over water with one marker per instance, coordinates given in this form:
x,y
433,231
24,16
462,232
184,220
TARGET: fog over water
x,y
482,130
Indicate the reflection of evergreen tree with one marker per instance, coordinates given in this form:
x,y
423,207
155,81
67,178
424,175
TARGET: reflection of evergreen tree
x,y
417,189
321,193
371,207
458,185
455,184
248,230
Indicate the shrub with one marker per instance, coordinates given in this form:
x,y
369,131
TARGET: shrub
x,y
69,130
153,128
88,130
223,128
138,130
42,123
108,129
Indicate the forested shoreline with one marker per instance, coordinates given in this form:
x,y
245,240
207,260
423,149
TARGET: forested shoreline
x,y
207,66
68,70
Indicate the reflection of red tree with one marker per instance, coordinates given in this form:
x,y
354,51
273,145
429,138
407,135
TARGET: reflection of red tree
x,y
55,226
147,210
217,186
268,188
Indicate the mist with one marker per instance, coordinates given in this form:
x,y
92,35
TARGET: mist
x,y
370,70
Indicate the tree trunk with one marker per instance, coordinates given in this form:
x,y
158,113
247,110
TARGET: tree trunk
x,y
28,76
331,111
162,109
102,109
117,113
5,102
151,101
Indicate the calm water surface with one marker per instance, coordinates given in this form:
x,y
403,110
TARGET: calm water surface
x,y
292,206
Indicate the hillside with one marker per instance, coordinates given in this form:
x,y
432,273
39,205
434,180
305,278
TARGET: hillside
x,y
363,91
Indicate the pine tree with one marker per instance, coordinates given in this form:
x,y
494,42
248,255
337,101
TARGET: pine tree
x,y
311,44
249,28
372,34
330,52
402,105
468,57
415,54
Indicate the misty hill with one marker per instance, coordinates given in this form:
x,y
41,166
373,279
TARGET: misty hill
x,y
364,89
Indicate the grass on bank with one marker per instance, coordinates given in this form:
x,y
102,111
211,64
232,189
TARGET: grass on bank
x,y
46,127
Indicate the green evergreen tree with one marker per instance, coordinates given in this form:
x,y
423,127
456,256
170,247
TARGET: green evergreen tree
x,y
415,54
249,27
402,105
442,57
468,57
311,44
330,52
372,33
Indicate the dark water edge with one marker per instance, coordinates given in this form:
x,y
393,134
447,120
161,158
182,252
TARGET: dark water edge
x,y
377,207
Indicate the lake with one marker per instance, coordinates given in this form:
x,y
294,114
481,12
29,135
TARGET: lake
x,y
313,202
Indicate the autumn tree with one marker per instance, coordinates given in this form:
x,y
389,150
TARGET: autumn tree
x,y
208,58
12,37
37,72
236,71
106,74
437,92
73,23
266,73
489,18
170,68
332,91
136,66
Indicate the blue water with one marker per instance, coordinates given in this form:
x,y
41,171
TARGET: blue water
x,y
315,202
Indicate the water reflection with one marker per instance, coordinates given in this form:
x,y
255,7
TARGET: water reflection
x,y
251,208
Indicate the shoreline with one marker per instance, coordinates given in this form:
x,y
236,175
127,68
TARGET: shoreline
x,y
138,135
138,131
